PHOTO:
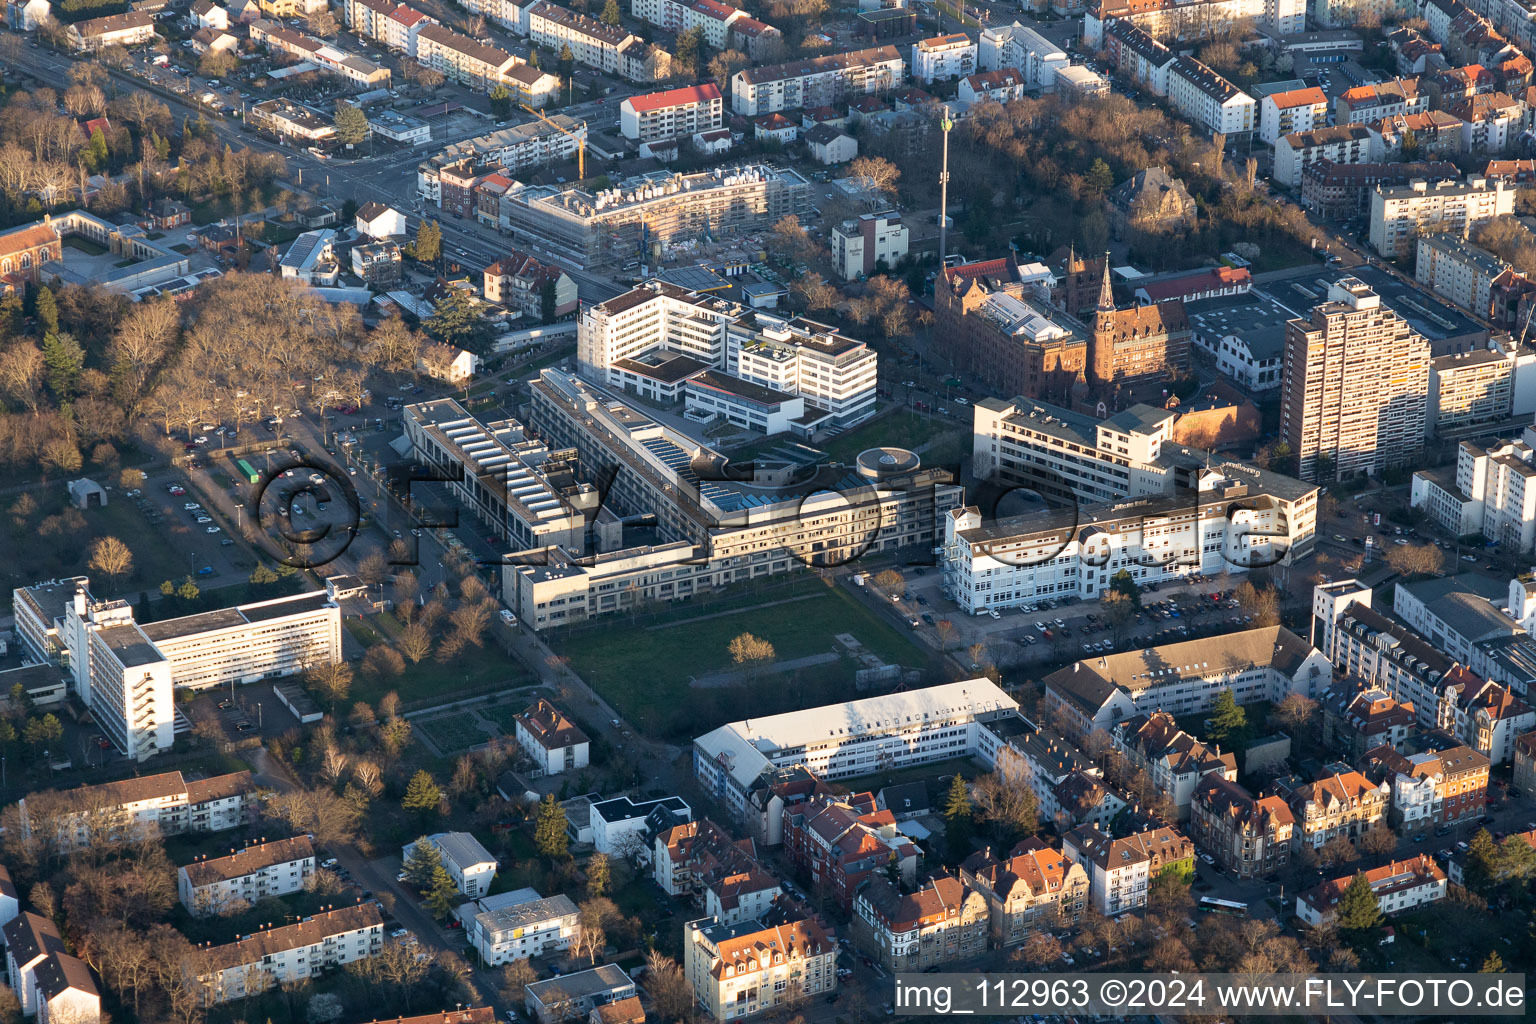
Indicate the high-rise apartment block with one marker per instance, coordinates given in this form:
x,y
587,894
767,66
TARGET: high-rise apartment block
x,y
1355,386
1399,214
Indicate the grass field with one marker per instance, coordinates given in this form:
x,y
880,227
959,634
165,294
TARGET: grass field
x,y
476,671
644,679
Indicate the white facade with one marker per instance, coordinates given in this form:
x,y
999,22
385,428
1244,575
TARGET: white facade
x,y
1401,885
1295,110
223,884
1459,271
943,58
672,114
551,740
1495,494
291,954
1024,49
834,374
331,59
860,246
816,81
469,864
1400,213
711,16
518,925
1208,100
1344,144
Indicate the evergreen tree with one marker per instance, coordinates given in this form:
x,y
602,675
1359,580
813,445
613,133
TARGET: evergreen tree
x,y
549,832
440,894
1358,910
687,56
1494,964
567,60
958,818
46,309
1099,179
501,102
1482,865
422,795
429,242
547,302
421,863
94,155
63,359
455,321
611,15
1228,719
351,124
533,57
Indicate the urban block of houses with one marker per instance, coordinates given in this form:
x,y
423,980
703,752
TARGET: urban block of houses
x,y
748,968
944,921
1120,871
1035,888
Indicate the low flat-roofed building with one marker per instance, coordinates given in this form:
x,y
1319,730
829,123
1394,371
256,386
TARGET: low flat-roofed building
x,y
576,995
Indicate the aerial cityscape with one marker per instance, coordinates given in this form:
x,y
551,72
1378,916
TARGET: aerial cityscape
x,y
820,511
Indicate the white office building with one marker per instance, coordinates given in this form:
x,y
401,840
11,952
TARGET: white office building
x,y
469,864
862,246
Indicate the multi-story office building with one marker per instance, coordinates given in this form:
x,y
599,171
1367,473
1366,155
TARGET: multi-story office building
x,y
1265,664
1400,213
1187,22
1014,47
354,70
714,532
1355,386
1493,492
289,120
1341,145
943,58
288,954
659,320
1293,110
396,25
596,44
842,740
1209,100
1401,885
152,805
1468,389
1035,888
527,494
517,925
835,374
222,885
943,922
743,970
37,613
1248,836
816,81
862,246
675,113
1120,871
622,225
1459,271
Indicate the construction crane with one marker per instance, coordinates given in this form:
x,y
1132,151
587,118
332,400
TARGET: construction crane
x,y
581,140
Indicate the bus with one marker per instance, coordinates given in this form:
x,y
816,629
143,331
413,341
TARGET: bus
x,y
251,476
1214,906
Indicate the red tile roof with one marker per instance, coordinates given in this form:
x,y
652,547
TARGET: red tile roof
x,y
675,98
1298,98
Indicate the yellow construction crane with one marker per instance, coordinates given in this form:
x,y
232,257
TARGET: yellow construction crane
x,y
581,140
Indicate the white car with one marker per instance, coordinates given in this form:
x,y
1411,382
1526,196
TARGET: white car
x,y
191,506
212,529
204,520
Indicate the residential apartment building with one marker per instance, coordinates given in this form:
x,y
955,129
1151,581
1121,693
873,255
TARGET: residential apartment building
x,y
518,281
1003,86
713,18
710,531
1368,104
1188,22
1209,101
1138,56
552,740
1355,386
527,494
1120,871
943,58
30,940
510,14
288,954
874,240
841,843
1485,716
1264,664
596,44
1344,144
1173,759
1250,837
1343,191
719,872
1400,213
222,885
837,741
66,991
614,227
163,804
396,25
816,81
621,827
1493,492
742,970
675,113
449,178
581,995
1341,804
480,66
1468,389
1523,779
1359,720
1016,48
943,922
132,28
1035,888
517,925
1431,787
356,71
1290,111
1400,885
1459,271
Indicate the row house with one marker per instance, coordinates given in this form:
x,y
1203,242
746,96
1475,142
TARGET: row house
x,y
1340,804
1400,885
288,955
1120,871
1249,836
1034,888
745,969
1432,787
840,843
1209,101
519,281
1173,759
1357,721
1341,145
217,885
943,922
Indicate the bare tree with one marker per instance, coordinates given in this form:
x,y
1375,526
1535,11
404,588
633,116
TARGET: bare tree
x,y
750,653
1417,560
111,556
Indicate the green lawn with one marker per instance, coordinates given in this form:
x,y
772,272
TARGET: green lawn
x,y
898,430
476,671
923,773
646,675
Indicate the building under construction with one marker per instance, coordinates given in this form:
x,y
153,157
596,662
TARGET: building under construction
x,y
632,221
